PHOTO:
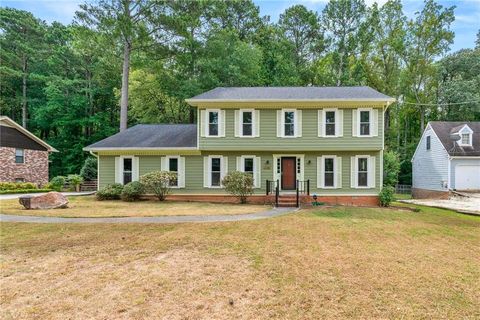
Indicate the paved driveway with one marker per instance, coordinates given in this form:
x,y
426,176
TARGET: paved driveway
x,y
469,204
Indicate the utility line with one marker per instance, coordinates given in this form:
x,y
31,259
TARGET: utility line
x,y
440,104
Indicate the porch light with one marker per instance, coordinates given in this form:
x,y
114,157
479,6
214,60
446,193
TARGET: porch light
x,y
267,162
309,162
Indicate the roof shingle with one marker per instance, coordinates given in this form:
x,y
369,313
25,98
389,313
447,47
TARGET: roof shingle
x,y
444,129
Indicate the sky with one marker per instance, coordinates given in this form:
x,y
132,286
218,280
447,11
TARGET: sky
x,y
466,25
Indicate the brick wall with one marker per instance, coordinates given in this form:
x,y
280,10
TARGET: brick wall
x,y
429,194
35,168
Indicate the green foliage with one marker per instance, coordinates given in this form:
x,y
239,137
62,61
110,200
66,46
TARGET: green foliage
x,y
386,196
17,185
391,168
110,192
89,169
132,191
239,184
75,181
57,183
24,191
158,183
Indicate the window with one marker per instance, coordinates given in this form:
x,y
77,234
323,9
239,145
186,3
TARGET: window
x,y
329,177
213,123
466,138
173,167
215,171
330,123
289,126
127,170
19,180
19,156
247,123
428,142
364,123
363,172
248,165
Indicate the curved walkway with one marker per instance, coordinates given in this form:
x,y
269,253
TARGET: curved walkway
x,y
165,219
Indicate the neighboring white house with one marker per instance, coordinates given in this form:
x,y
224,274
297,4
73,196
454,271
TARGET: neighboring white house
x,y
447,158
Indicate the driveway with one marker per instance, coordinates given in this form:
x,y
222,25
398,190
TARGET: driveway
x,y
18,195
470,204
170,219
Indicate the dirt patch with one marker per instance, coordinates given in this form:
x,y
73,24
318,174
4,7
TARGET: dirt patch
x,y
457,203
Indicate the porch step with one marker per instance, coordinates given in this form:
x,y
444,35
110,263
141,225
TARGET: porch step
x,y
287,201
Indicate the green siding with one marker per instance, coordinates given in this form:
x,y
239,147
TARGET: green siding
x,y
194,170
268,139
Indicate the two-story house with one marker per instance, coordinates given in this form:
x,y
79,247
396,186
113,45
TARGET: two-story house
x,y
331,137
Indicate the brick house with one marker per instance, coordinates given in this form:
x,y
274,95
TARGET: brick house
x,y
23,156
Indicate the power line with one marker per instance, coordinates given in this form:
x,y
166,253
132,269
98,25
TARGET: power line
x,y
440,104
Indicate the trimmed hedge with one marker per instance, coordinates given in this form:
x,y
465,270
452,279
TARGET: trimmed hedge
x,y
24,191
8,186
110,192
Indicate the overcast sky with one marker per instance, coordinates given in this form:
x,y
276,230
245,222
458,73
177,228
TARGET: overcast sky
x,y
466,25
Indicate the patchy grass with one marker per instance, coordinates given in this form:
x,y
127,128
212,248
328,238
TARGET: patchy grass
x,y
87,206
402,196
317,263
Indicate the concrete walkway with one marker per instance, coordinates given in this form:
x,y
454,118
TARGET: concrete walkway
x,y
18,195
165,219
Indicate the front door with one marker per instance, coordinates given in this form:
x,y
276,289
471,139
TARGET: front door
x,y
289,177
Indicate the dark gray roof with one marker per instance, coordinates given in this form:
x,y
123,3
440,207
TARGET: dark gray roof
x,y
151,136
292,93
443,129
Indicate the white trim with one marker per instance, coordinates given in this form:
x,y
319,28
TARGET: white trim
x,y
198,101
370,119
371,176
180,173
464,157
321,172
465,130
119,168
278,176
338,125
257,169
240,123
449,172
220,124
15,125
138,148
297,123
223,170
421,138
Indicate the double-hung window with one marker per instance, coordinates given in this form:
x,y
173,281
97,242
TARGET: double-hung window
x,y
19,156
215,172
173,167
329,172
127,170
213,123
466,139
362,172
248,166
330,123
289,123
247,123
365,118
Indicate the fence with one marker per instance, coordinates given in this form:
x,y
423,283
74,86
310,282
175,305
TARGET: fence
x,y
85,186
403,189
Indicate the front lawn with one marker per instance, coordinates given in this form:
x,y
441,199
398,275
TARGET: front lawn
x,y
334,263
87,206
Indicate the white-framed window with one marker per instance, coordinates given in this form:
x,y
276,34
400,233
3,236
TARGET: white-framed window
x,y
173,167
289,123
215,169
127,173
330,120
19,155
466,138
250,164
247,123
126,169
365,122
428,142
365,119
175,164
363,171
329,172
212,123
330,123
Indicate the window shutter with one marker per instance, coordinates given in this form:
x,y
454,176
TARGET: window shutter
x,y
338,172
353,172
320,123
164,164
239,164
256,123
203,123
224,164
206,171
181,172
339,123
118,170
320,172
371,172
375,122
354,123
298,123
221,123
135,168
258,172
279,123
238,123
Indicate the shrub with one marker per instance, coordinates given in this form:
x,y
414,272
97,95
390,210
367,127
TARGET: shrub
x,y
75,181
24,191
240,184
57,183
89,169
391,168
132,191
110,192
17,186
386,196
158,182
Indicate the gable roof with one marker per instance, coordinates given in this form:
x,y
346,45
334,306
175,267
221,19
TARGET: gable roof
x,y
9,123
266,94
444,129
150,136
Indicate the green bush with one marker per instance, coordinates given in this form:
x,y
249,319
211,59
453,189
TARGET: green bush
x,y
240,184
25,191
158,182
132,191
17,185
75,181
110,192
386,196
57,183
391,168
89,169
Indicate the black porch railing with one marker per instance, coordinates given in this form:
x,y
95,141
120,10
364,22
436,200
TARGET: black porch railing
x,y
303,187
273,187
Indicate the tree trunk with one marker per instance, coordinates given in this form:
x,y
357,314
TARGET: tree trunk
x,y
24,91
422,119
125,73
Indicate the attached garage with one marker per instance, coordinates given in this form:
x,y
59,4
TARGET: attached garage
x,y
467,177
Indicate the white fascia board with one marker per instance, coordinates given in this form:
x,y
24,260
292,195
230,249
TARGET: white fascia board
x,y
137,148
197,101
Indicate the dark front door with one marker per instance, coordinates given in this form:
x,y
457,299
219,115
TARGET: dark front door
x,y
289,176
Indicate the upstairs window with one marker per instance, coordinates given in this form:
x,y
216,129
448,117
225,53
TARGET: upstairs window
x,y
362,172
428,142
247,123
213,123
173,167
364,123
330,123
19,156
289,124
466,139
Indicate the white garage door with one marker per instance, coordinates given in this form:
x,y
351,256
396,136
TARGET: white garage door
x,y
467,177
